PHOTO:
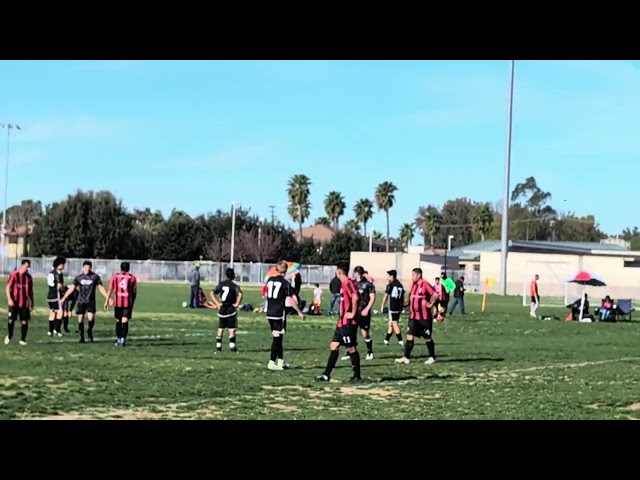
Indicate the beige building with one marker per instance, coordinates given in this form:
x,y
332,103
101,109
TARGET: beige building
x,y
554,262
378,263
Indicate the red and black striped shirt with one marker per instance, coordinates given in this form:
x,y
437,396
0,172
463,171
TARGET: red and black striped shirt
x,y
124,285
421,291
21,289
349,298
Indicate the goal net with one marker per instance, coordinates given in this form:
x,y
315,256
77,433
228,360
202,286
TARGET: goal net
x,y
552,286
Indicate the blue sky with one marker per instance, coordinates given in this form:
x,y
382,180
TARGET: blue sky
x,y
198,135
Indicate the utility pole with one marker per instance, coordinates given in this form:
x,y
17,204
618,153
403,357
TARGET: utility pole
x,y
504,250
273,214
3,246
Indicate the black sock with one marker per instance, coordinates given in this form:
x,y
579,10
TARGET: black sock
x,y
24,330
431,348
331,363
118,330
232,342
219,343
387,336
355,363
52,324
10,326
81,328
407,348
90,329
66,324
125,329
58,327
281,349
369,342
275,348
399,336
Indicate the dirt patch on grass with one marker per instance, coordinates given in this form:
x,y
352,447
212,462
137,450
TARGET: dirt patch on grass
x,y
285,408
7,382
634,407
176,411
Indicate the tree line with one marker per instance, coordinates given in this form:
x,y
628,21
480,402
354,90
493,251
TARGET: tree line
x,y
97,225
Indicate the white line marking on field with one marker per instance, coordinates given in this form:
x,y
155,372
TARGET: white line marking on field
x,y
70,338
516,371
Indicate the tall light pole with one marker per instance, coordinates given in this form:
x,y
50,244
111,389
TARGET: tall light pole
x,y
504,250
8,126
262,221
233,232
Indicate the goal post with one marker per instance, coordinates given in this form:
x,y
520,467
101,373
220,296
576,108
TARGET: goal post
x,y
552,286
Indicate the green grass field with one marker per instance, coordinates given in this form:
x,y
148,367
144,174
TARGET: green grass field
x,y
498,365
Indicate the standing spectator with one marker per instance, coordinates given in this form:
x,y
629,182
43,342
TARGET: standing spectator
x,y
317,299
458,295
334,287
194,280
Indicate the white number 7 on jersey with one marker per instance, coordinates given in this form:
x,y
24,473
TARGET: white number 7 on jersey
x,y
273,288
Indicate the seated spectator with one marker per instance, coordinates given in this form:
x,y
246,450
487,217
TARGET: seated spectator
x,y
606,308
575,309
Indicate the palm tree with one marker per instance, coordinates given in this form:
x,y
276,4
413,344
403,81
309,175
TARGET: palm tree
x,y
429,220
334,207
323,221
385,199
406,234
299,194
483,219
377,235
352,226
364,212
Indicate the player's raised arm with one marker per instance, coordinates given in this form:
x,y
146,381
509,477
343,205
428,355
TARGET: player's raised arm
x,y
430,295
214,296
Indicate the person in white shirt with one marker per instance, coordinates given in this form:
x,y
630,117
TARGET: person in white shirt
x,y
317,299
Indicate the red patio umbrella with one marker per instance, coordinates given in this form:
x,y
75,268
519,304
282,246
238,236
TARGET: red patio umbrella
x,y
585,279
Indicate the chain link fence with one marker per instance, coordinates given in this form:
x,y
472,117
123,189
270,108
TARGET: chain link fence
x,y
169,271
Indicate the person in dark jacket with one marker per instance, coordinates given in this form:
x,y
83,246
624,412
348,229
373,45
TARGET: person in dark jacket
x,y
458,296
334,287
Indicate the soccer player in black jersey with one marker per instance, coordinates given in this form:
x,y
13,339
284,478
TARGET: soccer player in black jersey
x,y
278,291
346,332
86,284
395,294
366,299
227,297
55,282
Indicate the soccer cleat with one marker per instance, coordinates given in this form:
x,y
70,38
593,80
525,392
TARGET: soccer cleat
x,y
401,343
323,378
123,342
430,360
23,343
404,360
7,340
232,347
273,366
346,357
60,335
280,362
369,356
386,342
49,334
355,380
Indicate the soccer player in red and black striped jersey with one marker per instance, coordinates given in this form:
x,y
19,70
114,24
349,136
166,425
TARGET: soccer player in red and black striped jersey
x,y
20,299
124,287
421,299
346,332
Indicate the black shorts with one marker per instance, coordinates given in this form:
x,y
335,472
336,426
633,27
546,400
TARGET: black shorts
x,y
420,328
364,321
394,316
22,312
55,305
228,322
122,312
279,325
346,336
84,308
535,299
